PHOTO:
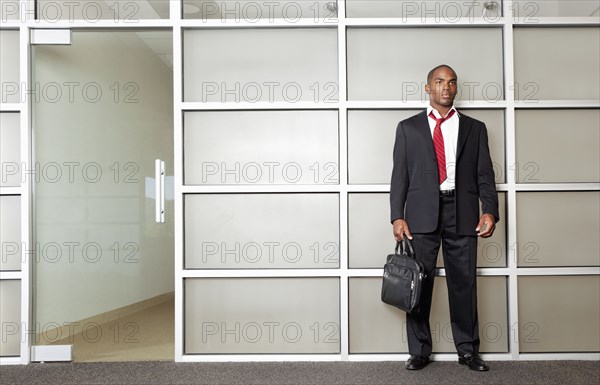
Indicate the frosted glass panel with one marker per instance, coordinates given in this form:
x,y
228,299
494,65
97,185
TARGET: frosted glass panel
x,y
288,65
10,318
379,328
10,232
371,239
575,244
537,64
371,136
261,147
262,315
441,11
245,231
130,11
528,11
378,68
559,314
570,158
9,67
370,236
10,150
252,11
11,10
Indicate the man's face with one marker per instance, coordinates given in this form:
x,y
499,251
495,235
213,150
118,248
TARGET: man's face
x,y
442,88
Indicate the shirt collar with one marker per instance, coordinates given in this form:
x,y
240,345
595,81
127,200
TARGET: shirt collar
x,y
437,114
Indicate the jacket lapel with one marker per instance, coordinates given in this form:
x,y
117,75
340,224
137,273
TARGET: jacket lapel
x,y
464,127
425,132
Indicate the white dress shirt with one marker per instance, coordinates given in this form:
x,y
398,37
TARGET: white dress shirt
x,y
450,134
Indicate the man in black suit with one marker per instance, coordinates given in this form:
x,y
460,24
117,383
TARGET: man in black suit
x,y
442,169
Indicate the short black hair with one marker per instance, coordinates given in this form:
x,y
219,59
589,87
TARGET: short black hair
x,y
430,74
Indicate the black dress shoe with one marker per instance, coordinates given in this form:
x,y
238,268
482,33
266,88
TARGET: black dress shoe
x,y
474,362
416,362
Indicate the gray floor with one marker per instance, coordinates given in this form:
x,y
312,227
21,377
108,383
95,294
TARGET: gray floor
x,y
313,373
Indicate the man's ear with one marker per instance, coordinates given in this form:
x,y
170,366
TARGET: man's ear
x,y
427,89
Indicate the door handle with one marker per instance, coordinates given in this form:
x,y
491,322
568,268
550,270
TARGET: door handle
x,y
159,177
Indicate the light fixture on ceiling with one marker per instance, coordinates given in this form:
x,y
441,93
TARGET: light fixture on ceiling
x,y
489,6
331,6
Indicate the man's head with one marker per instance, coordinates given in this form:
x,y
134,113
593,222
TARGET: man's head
x,y
441,87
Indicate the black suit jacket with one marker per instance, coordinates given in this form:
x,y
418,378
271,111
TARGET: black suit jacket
x,y
414,190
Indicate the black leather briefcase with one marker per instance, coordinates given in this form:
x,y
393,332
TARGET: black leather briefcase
x,y
402,278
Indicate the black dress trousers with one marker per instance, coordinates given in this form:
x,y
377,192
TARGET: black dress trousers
x,y
460,262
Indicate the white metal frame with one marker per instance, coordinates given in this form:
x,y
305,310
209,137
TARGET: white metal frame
x,y
177,24
24,192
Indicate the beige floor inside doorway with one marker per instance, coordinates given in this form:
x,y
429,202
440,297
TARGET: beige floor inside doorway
x,y
145,335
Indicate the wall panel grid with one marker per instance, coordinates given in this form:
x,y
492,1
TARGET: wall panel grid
x,y
15,195
328,37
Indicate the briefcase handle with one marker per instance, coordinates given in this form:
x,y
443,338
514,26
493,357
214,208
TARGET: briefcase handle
x,y
405,247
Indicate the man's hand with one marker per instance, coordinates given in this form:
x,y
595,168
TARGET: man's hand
x,y
401,228
486,226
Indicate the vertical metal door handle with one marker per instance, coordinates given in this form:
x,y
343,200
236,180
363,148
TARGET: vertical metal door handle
x,y
159,177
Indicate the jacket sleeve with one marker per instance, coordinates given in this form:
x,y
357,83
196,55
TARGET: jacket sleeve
x,y
485,177
399,182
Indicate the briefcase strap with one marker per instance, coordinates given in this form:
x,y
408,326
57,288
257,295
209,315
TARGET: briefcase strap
x,y
405,247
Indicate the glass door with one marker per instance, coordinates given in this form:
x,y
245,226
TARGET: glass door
x,y
103,115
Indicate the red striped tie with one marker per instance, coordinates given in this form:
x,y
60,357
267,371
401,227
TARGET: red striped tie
x,y
438,142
